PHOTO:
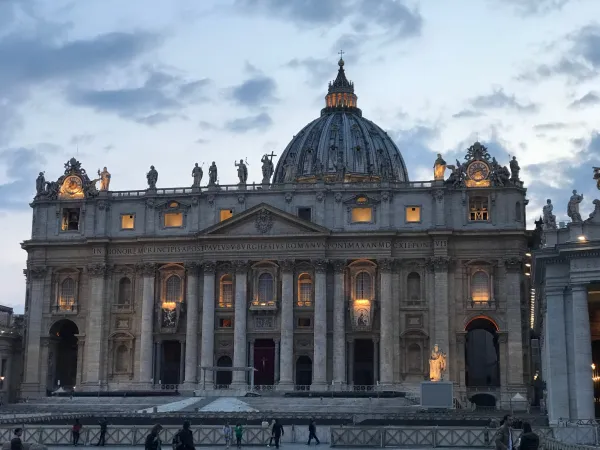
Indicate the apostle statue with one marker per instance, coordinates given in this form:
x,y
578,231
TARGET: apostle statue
x,y
267,168
439,168
40,184
317,168
212,174
340,168
242,171
104,179
549,219
152,177
437,364
289,170
573,207
514,170
597,176
197,174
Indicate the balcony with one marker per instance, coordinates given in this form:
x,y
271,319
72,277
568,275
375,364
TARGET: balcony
x,y
490,304
65,309
263,306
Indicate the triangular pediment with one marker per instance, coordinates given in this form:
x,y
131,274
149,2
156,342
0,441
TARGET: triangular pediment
x,y
264,220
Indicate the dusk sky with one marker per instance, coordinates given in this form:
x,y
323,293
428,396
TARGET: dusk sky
x,y
127,84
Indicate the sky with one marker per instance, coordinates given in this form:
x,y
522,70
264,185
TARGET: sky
x,y
170,83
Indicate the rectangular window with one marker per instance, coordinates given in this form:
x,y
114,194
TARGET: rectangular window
x,y
478,209
303,322
362,215
413,213
305,214
127,221
225,323
173,220
226,295
225,214
70,219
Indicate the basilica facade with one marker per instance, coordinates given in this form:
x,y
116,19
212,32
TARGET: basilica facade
x,y
333,272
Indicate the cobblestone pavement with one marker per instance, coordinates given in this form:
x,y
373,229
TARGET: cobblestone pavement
x,y
249,447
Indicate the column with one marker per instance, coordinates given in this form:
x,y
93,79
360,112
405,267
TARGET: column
x,y
251,356
584,394
182,361
556,357
320,330
286,360
94,325
460,357
191,331
339,323
277,364
207,349
36,277
146,326
514,322
440,280
240,349
376,361
158,368
351,361
386,331
503,357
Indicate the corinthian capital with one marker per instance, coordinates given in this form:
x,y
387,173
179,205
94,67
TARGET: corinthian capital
x,y
287,265
97,270
146,269
240,266
38,272
513,264
385,265
438,264
191,268
209,266
339,265
320,265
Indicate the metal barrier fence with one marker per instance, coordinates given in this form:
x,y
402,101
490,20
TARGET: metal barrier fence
x,y
554,444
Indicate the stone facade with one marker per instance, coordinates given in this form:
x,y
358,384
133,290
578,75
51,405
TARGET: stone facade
x,y
343,274
567,288
11,354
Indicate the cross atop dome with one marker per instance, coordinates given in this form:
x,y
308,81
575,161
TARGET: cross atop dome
x,y
340,94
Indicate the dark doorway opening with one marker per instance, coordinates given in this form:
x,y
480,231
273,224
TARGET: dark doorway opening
x,y
65,334
363,362
264,362
224,377
484,400
303,372
171,362
482,354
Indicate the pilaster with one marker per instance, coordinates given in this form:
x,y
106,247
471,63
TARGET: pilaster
x,y
584,392
148,272
95,325
514,321
207,349
386,368
286,371
240,348
191,331
339,323
320,327
460,357
439,265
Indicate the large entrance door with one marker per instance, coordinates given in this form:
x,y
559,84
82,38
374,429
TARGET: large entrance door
x,y
224,376
363,362
303,372
65,334
264,362
171,362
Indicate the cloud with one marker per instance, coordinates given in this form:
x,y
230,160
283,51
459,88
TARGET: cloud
x,y
589,99
319,70
254,92
158,100
534,7
500,100
83,139
467,114
261,121
204,125
551,126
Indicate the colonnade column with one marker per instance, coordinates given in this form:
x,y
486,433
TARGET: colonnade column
x,y
339,323
440,264
146,326
286,360
320,326
36,277
240,346
386,353
207,348
191,331
95,325
582,343
555,346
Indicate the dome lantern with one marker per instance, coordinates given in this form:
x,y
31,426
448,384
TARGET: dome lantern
x,y
340,94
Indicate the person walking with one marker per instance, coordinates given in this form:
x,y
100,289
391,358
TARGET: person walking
x,y
16,443
103,427
239,432
76,431
153,441
277,432
503,439
312,432
184,438
528,440
227,434
271,438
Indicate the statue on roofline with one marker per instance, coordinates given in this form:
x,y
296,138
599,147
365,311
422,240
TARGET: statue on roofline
x,y
242,171
212,174
267,168
439,168
152,178
573,207
514,170
197,174
549,219
104,179
437,364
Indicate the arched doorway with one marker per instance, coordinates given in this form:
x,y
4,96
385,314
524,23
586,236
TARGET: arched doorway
x,y
482,354
224,376
485,400
303,371
64,335
264,362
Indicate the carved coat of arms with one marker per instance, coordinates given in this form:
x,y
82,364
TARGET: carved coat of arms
x,y
264,221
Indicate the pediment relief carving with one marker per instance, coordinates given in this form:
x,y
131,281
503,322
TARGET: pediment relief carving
x,y
173,205
361,200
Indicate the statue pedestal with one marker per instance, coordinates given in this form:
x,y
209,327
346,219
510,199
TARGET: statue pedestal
x,y
575,231
437,394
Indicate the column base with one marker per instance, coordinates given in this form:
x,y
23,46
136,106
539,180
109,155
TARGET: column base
x,y
285,386
319,386
189,386
32,390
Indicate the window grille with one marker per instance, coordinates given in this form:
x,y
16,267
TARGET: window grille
x,y
66,299
363,286
265,289
124,291
226,297
480,287
413,285
478,209
305,290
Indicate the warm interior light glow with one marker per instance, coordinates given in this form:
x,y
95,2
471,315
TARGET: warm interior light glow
x,y
581,238
173,220
226,214
170,306
527,265
127,221
528,254
413,213
362,215
527,274
362,302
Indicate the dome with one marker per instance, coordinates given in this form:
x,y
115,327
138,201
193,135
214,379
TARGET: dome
x,y
341,145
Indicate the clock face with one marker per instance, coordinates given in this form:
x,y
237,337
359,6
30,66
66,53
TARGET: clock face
x,y
478,171
72,186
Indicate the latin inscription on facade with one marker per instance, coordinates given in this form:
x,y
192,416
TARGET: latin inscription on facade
x,y
585,264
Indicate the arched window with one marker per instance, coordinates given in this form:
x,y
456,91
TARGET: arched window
x,y
414,358
265,289
305,290
226,292
413,288
480,287
364,286
66,299
173,292
518,212
122,359
124,292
